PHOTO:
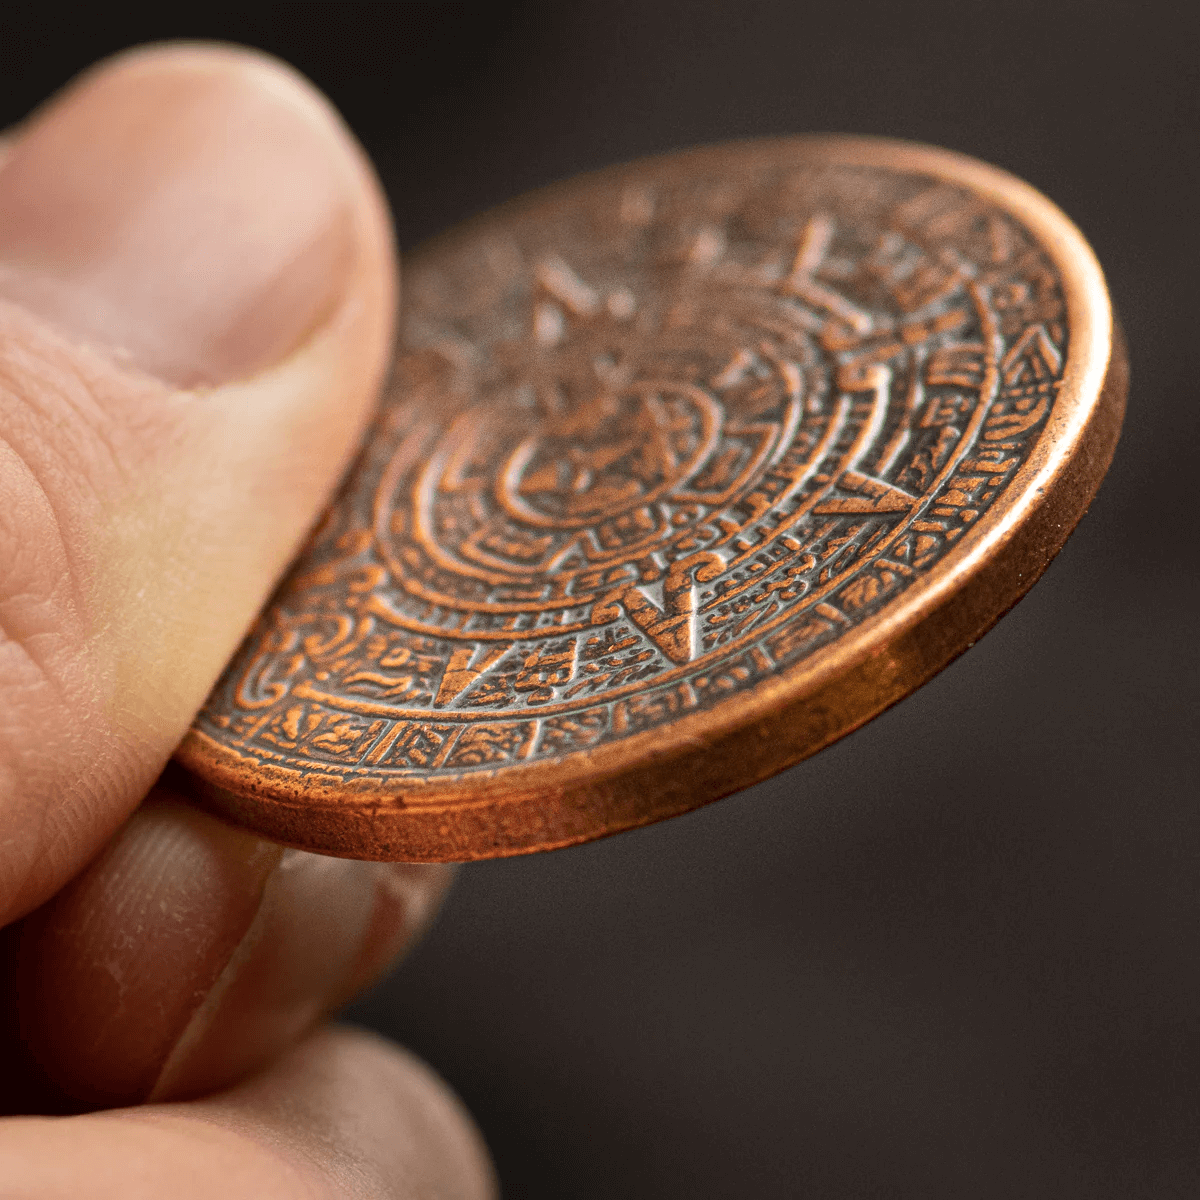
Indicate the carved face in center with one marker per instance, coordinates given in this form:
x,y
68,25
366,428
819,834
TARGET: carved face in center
x,y
617,451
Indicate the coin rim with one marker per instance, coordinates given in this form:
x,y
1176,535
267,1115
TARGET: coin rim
x,y
696,759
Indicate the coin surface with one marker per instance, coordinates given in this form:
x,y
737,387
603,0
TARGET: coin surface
x,y
688,468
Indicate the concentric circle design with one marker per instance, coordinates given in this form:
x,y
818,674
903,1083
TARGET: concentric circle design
x,y
668,450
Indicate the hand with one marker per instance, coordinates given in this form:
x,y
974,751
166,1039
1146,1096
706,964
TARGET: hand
x,y
196,297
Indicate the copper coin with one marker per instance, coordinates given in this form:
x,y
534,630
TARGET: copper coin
x,y
688,468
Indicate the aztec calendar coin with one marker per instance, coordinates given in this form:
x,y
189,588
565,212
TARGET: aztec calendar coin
x,y
687,468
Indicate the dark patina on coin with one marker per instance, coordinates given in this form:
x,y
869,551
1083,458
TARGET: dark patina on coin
x,y
688,468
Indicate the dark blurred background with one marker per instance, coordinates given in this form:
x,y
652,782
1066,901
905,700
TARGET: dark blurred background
x,y
956,954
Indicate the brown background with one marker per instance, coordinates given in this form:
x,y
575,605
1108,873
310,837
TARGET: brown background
x,y
957,953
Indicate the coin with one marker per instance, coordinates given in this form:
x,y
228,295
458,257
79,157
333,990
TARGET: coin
x,y
687,468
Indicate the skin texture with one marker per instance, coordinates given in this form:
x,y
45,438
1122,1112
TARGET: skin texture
x,y
197,286
342,1115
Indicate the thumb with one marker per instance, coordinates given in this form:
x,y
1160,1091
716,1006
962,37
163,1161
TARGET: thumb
x,y
196,300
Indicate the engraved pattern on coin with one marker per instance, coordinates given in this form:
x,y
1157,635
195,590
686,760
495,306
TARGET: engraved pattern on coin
x,y
647,444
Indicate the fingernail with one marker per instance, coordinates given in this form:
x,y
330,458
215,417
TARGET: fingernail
x,y
325,927
407,897
184,211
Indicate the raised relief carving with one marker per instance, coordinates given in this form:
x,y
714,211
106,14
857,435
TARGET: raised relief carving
x,y
642,453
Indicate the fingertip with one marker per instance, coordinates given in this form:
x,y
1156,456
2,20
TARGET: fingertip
x,y
395,1121
193,210
112,969
344,1115
190,953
